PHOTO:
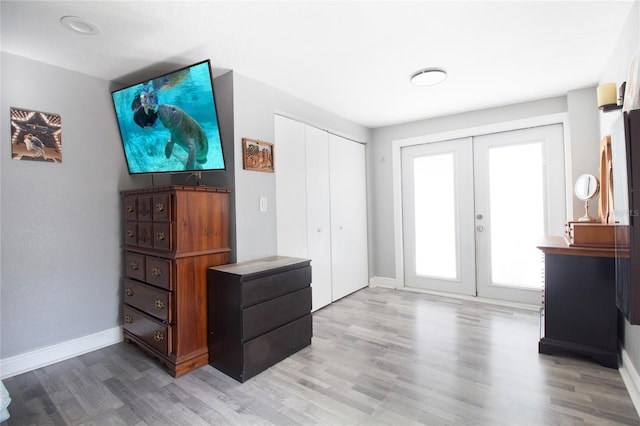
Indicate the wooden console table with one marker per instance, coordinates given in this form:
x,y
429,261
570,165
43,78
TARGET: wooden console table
x,y
259,314
579,315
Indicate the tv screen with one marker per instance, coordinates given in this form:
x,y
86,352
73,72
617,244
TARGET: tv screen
x,y
169,123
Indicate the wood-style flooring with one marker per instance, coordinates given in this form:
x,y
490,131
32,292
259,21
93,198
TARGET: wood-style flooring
x,y
378,356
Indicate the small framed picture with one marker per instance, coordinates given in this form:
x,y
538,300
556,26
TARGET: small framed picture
x,y
36,136
257,155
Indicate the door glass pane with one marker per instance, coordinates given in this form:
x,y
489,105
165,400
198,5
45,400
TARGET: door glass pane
x,y
517,214
435,217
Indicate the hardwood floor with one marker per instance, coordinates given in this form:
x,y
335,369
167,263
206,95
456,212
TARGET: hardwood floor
x,y
379,356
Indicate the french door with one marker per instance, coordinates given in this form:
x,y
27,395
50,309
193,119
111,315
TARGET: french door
x,y
475,208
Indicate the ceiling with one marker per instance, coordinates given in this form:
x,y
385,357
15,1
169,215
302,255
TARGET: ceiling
x,y
352,58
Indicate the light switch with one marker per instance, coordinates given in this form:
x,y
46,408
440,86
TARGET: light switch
x,y
263,204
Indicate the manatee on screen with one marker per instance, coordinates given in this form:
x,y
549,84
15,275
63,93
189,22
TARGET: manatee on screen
x,y
186,132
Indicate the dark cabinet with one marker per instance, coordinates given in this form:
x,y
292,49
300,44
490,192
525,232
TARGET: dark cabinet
x,y
259,314
579,315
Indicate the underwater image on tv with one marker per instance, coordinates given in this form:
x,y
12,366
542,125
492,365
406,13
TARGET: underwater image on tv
x,y
170,123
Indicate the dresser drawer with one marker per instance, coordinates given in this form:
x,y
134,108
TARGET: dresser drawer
x,y
130,205
162,238
144,207
162,207
131,233
271,348
151,331
145,237
271,286
134,266
149,299
264,317
159,272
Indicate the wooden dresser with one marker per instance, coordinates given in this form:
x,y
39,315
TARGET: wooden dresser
x,y
259,314
579,315
172,235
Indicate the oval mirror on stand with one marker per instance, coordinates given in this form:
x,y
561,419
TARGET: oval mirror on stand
x,y
586,188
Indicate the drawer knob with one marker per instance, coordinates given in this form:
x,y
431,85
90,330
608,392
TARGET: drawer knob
x,y
129,292
158,336
160,236
130,208
160,207
128,319
134,265
156,272
159,304
130,233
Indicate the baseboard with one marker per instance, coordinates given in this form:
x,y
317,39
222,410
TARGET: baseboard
x,y
630,378
391,283
38,358
382,282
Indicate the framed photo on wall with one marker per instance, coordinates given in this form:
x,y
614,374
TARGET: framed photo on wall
x,y
36,136
257,155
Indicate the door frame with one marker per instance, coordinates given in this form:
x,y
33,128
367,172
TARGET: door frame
x,y
396,158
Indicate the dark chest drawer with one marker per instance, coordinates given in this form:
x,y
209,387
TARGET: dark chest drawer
x,y
264,317
259,314
268,287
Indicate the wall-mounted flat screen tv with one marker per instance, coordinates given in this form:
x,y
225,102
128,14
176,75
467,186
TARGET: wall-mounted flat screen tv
x,y
169,123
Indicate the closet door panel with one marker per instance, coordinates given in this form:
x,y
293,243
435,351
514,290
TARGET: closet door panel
x,y
291,205
348,216
318,215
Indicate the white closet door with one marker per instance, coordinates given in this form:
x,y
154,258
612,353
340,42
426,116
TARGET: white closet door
x,y
291,204
318,215
348,216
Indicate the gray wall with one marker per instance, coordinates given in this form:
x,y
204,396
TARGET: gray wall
x,y
255,106
617,69
60,222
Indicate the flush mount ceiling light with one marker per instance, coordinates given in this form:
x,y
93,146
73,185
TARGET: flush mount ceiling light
x,y
428,77
80,25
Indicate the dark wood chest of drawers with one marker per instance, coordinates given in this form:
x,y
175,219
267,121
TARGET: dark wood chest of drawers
x,y
171,236
259,314
579,314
